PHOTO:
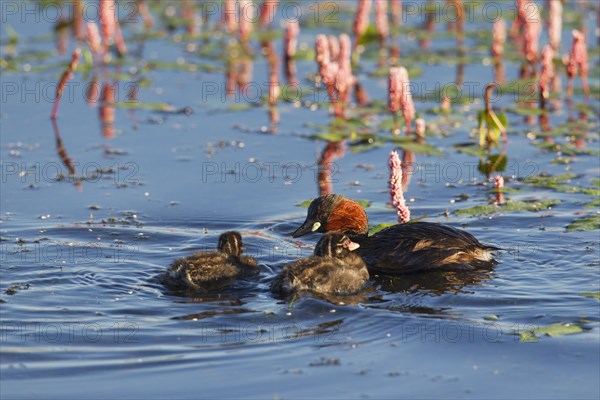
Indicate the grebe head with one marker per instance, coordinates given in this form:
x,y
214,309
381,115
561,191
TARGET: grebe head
x,y
231,244
335,244
334,213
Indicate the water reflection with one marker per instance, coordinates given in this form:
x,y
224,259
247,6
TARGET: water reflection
x,y
434,283
64,156
367,295
274,86
106,111
62,36
212,313
580,134
238,69
428,25
409,160
326,166
290,46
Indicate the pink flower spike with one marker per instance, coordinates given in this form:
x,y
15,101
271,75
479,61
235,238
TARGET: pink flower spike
x,y
532,32
230,15
361,19
334,48
345,80
396,6
381,20
321,49
555,11
406,101
93,36
520,17
394,95
578,62
291,38
107,22
119,41
498,38
267,12
395,185
328,70
394,90
246,18
145,13
547,72
345,56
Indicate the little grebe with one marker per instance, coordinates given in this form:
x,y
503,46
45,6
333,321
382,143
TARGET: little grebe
x,y
334,269
204,270
402,248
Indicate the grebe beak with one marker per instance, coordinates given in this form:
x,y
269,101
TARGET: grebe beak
x,y
306,227
353,246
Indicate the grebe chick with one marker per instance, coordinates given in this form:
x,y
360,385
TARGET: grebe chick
x,y
205,270
334,269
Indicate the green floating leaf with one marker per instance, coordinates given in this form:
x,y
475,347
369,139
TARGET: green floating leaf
x,y
504,190
527,111
471,148
240,107
588,223
366,139
523,87
567,149
556,182
374,229
554,330
364,203
137,105
425,149
545,181
377,106
13,36
365,145
559,329
369,36
586,109
304,204
409,144
491,317
595,295
352,123
511,206
329,137
341,129
593,204
571,128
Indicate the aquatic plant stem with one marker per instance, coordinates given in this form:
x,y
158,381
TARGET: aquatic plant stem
x,y
66,76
